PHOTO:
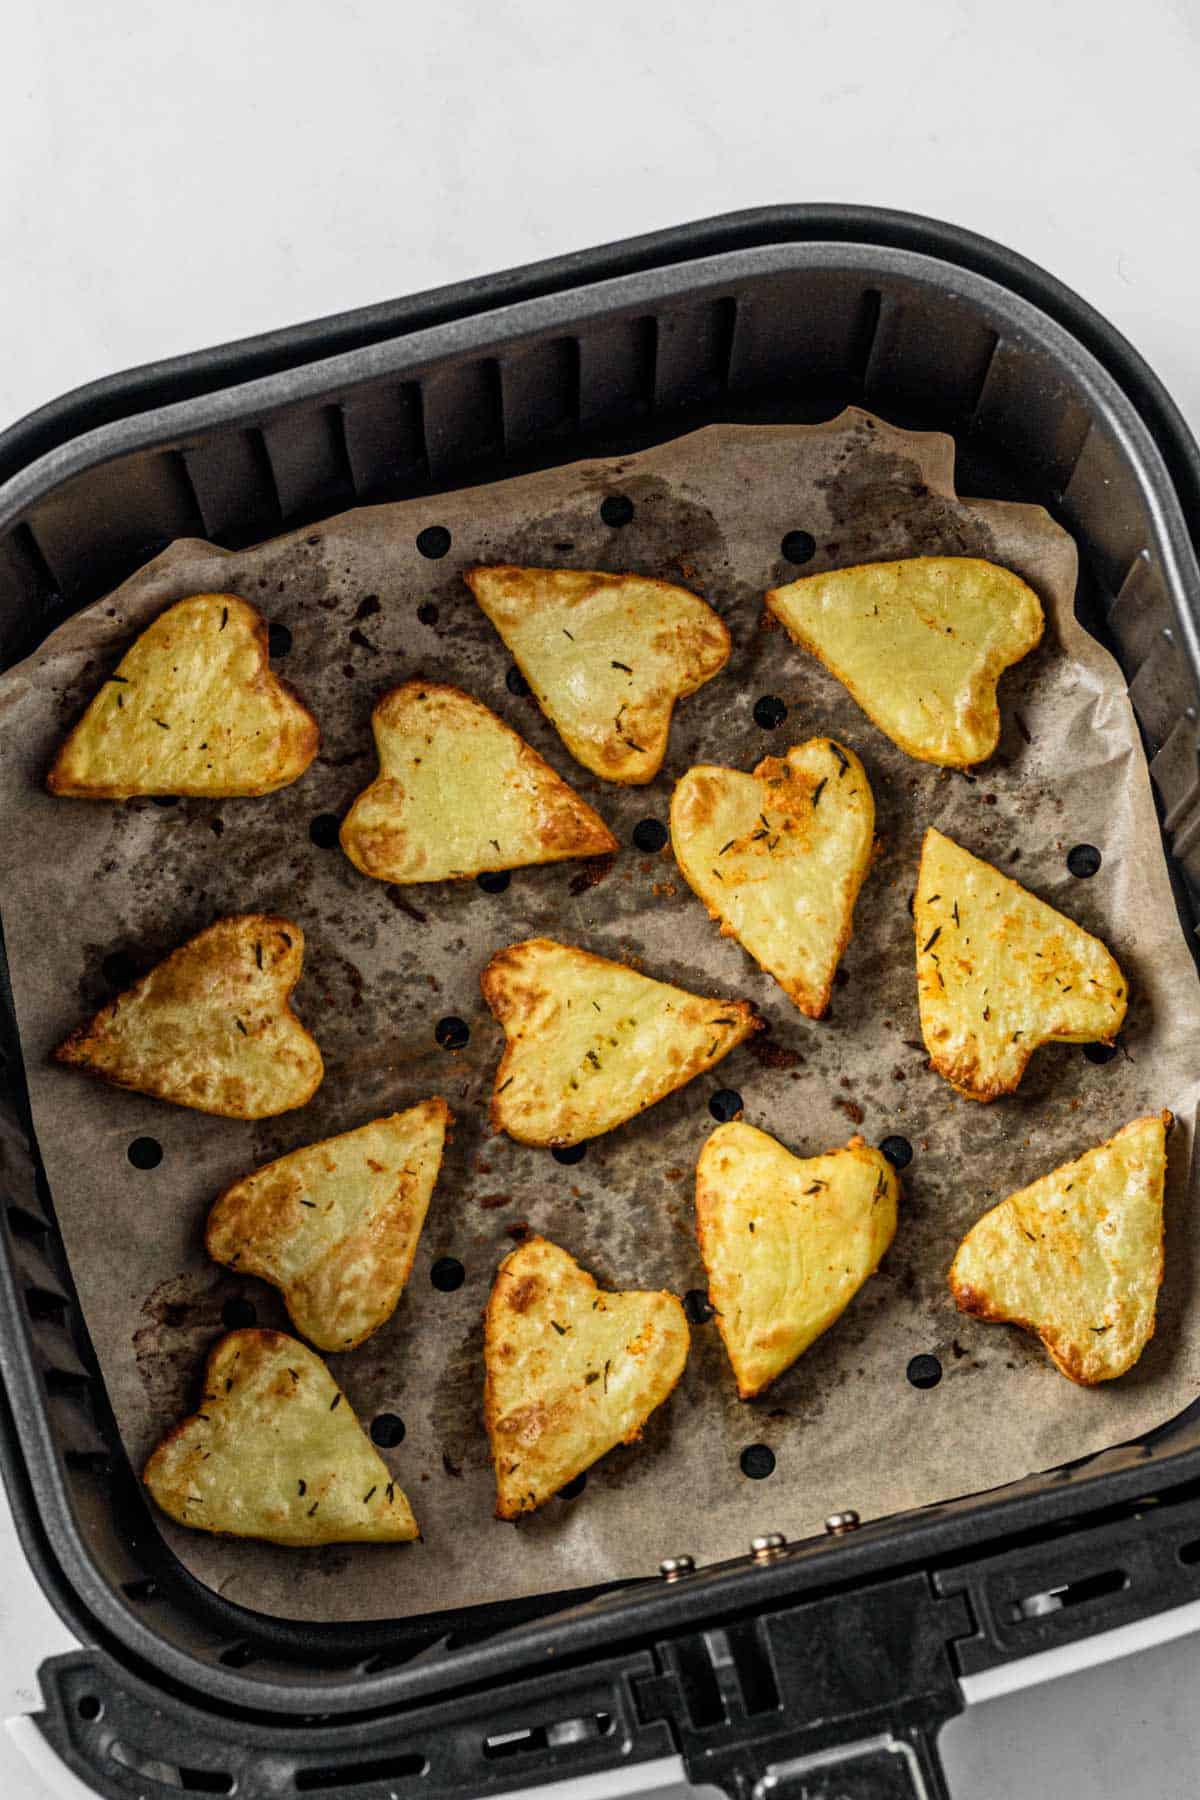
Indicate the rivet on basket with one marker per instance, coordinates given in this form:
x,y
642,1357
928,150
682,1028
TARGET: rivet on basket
x,y
838,1523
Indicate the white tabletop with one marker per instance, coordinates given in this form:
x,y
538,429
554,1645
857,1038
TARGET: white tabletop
x,y
177,176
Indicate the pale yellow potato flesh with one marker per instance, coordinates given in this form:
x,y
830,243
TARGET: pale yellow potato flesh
x,y
275,1452
590,1043
193,708
787,1242
920,643
335,1225
569,1370
459,793
1000,972
607,657
1077,1256
778,858
210,1026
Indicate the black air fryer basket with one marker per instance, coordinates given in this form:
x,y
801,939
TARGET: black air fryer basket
x,y
827,1665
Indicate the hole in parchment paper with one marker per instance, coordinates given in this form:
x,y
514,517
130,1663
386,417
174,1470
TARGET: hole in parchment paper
x,y
279,639
898,1151
696,1307
452,1032
924,1371
769,712
145,1153
799,547
616,509
239,1314
447,1274
433,542
119,969
758,1461
573,1489
516,683
725,1104
427,613
1101,1053
649,834
324,830
1084,860
493,881
88,1706
387,1430
569,1153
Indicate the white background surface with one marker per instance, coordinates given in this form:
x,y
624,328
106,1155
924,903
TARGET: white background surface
x,y
174,176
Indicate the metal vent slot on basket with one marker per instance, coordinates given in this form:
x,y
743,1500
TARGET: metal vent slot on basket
x,y
384,433
694,352
308,461
235,489
462,408
927,359
539,391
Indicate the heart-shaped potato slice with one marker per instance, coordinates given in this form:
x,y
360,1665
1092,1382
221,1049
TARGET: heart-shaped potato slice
x,y
275,1452
570,1370
920,643
590,1042
1077,1256
779,856
787,1242
607,657
335,1225
193,708
1000,972
459,793
210,1026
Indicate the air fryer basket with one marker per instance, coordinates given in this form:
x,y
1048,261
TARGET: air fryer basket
x,y
786,315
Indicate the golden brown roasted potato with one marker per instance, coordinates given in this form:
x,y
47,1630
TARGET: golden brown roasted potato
x,y
193,708
275,1452
787,1242
335,1225
570,1371
210,1027
607,656
999,972
779,856
920,643
458,792
1077,1256
590,1042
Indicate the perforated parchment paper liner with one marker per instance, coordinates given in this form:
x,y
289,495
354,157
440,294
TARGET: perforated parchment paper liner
x,y
82,883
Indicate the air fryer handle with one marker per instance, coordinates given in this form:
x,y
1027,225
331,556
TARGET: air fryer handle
x,y
842,1697
838,1698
